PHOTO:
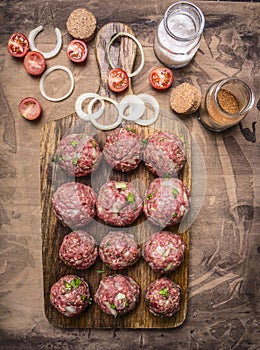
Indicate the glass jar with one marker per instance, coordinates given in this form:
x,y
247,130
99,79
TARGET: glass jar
x,y
178,35
225,104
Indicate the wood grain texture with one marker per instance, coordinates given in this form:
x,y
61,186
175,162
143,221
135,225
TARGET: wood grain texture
x,y
53,232
224,255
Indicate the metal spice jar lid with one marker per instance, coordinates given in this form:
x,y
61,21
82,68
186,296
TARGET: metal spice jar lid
x,y
185,98
81,24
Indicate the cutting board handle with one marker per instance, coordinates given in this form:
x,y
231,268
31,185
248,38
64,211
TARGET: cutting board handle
x,y
122,53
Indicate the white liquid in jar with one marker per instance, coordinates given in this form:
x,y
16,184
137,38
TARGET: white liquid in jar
x,y
170,50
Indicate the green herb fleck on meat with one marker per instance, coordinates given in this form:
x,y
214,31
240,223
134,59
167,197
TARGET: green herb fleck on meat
x,y
83,298
67,285
130,198
175,192
90,301
93,143
75,161
74,143
100,271
147,301
113,306
149,196
167,176
76,282
164,292
145,142
57,158
126,302
174,215
131,129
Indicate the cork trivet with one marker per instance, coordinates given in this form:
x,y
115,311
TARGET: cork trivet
x,y
81,24
185,98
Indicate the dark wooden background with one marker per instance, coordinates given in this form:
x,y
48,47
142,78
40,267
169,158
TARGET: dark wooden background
x,y
224,246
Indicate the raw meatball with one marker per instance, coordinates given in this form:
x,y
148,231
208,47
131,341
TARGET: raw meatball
x,y
119,250
118,203
78,155
123,149
164,251
117,295
74,204
78,250
70,295
164,154
163,297
166,201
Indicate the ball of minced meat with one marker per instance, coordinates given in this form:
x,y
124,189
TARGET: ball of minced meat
x,y
164,154
185,98
166,201
118,203
163,297
164,251
70,295
78,155
79,250
123,149
81,24
74,204
117,295
119,250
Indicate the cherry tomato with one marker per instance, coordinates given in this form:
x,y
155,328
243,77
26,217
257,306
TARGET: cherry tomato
x,y
30,108
77,51
161,78
118,80
18,45
34,63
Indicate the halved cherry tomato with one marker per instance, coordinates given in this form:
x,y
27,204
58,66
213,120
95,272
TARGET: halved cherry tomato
x,y
161,78
34,63
77,51
30,108
118,80
18,45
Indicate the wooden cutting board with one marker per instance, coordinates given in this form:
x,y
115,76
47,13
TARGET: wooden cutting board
x,y
123,55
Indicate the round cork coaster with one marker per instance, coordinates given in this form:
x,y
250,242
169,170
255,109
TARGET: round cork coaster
x,y
81,24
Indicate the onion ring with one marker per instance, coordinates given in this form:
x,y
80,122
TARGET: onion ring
x,y
46,73
103,126
138,70
89,116
136,107
150,99
51,53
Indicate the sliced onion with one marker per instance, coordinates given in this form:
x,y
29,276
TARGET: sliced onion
x,y
51,53
46,73
89,116
138,70
152,101
136,107
105,126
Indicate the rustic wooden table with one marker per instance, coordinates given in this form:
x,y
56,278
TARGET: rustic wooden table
x,y
224,245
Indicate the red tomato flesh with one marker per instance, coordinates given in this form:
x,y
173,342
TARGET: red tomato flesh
x,y
118,80
77,51
30,108
34,63
161,78
18,45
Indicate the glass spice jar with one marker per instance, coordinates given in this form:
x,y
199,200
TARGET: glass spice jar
x,y
225,104
178,34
